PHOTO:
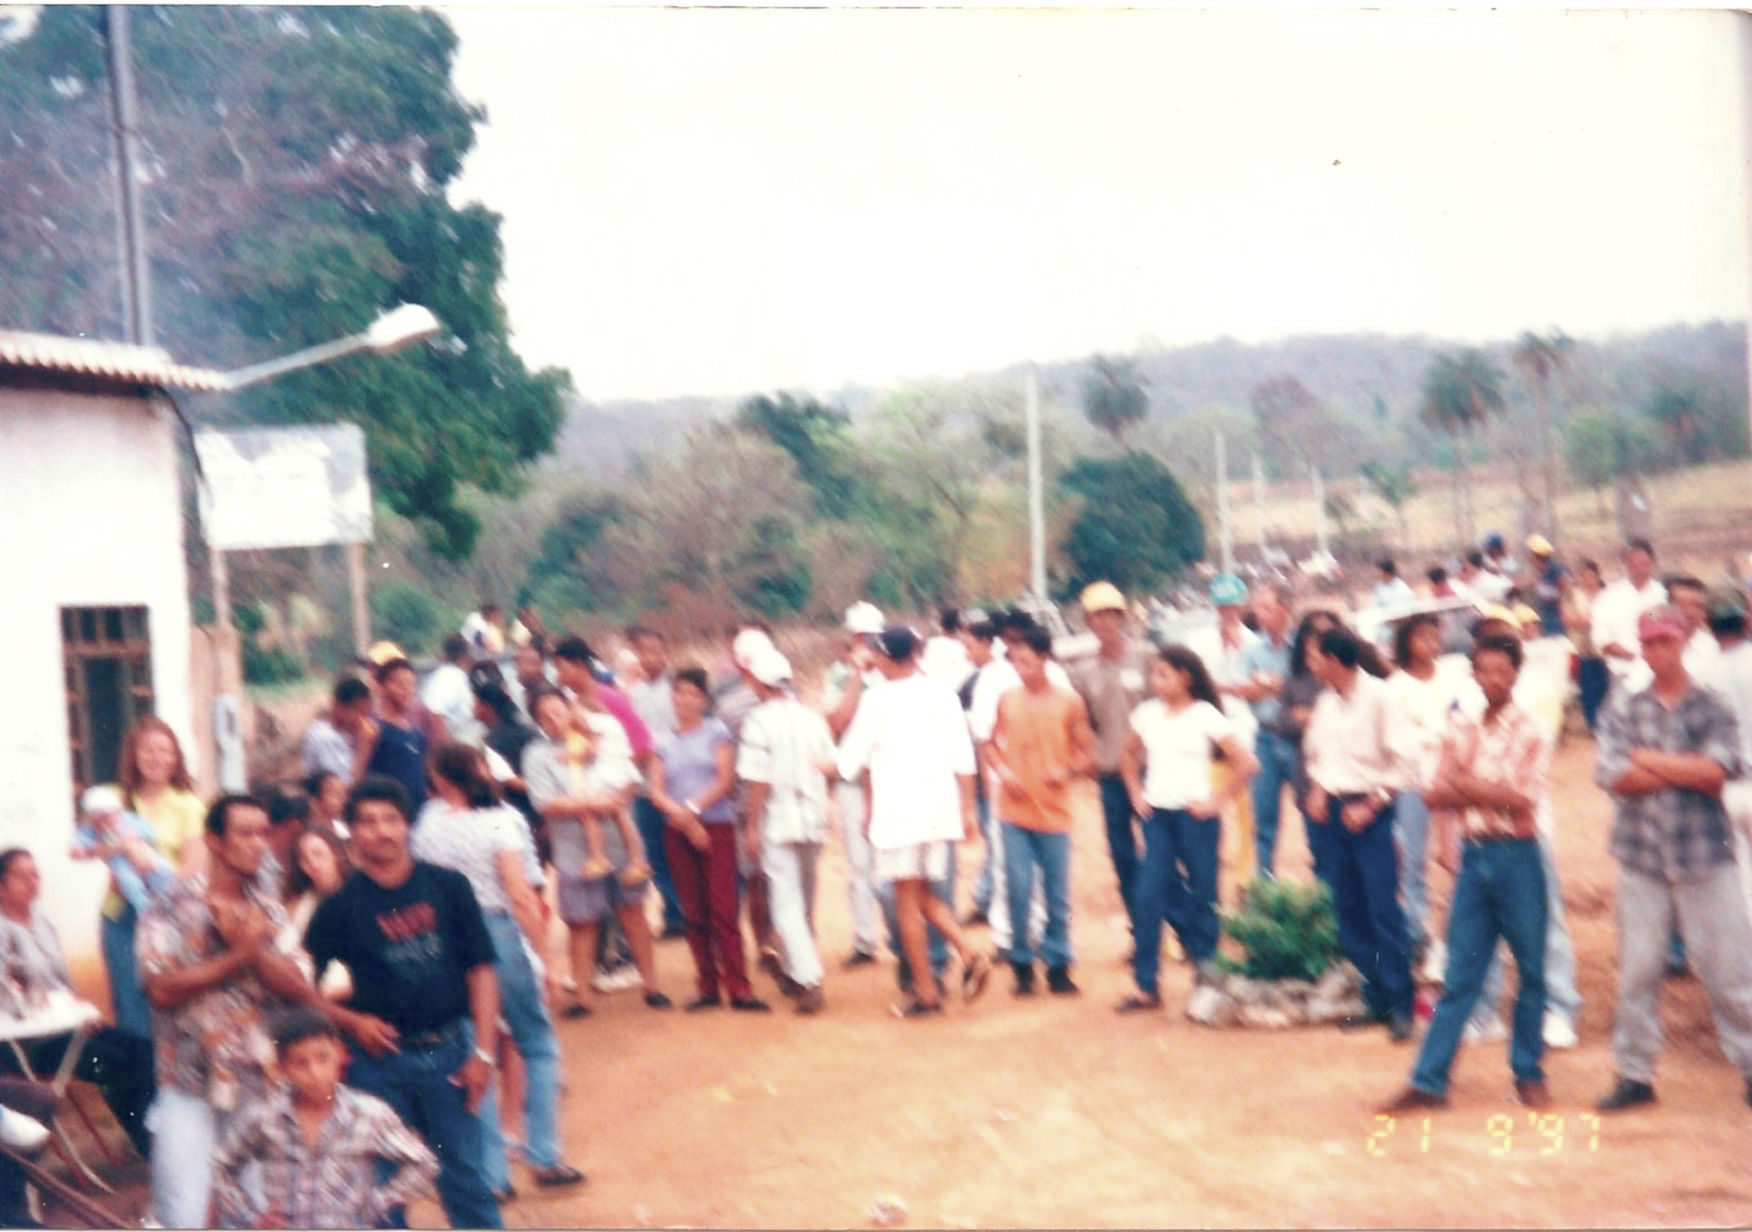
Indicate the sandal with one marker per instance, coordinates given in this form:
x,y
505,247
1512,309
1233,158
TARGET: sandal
x,y
1137,1003
916,1009
595,867
635,874
657,1001
975,978
559,1174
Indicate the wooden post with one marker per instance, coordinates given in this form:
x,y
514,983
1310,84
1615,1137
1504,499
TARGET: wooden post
x,y
361,609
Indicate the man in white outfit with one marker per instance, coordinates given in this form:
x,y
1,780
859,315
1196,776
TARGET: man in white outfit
x,y
840,694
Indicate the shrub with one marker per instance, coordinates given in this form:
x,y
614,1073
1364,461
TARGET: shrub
x,y
406,615
1288,930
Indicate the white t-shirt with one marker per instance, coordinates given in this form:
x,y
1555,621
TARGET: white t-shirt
x,y
1177,750
783,744
448,695
1615,611
912,737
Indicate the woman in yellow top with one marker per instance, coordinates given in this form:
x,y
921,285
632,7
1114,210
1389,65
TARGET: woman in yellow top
x,y
156,786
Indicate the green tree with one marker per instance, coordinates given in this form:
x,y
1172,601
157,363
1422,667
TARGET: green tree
x,y
299,165
1133,526
1599,446
1395,485
1696,421
1462,390
1113,395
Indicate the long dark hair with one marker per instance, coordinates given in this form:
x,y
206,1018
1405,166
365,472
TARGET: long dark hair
x,y
1305,633
298,881
1198,677
463,767
1403,634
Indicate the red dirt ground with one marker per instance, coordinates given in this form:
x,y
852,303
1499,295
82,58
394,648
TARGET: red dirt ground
x,y
1055,1112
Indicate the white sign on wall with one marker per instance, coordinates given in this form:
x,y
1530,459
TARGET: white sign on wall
x,y
284,487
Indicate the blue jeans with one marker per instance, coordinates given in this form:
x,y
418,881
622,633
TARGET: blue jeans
x,y
938,944
127,995
650,822
1593,678
1500,893
1361,869
524,1009
1122,843
1178,882
1023,849
416,1083
1411,838
1277,767
988,836
1561,993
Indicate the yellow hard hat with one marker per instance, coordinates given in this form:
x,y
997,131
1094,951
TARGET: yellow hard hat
x,y
1102,597
1539,545
384,652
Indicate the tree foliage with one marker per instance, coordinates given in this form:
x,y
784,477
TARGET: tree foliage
x,y
1134,526
295,163
1113,395
1599,446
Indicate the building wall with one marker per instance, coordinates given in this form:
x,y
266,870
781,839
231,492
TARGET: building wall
x,y
89,516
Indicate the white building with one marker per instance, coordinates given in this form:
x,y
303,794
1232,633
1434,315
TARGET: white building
x,y
94,611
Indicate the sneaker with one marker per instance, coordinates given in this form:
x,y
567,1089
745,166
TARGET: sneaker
x,y
22,1133
1491,1031
1059,982
750,1005
1357,1022
558,1176
658,1001
1626,1094
1024,973
1533,1094
704,1003
618,980
1560,1032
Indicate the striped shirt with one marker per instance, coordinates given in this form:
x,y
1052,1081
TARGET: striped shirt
x,y
1510,750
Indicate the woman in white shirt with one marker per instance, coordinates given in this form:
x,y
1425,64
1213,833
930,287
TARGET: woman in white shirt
x,y
1167,767
1426,698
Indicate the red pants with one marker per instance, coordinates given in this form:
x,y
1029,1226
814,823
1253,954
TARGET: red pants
x,y
705,883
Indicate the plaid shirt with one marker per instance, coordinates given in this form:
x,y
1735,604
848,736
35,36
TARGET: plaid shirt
x,y
333,1184
1511,750
1676,834
215,1045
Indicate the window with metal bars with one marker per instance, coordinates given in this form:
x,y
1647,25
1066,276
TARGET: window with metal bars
x,y
107,655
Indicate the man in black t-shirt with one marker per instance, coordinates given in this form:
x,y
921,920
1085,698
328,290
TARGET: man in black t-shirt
x,y
423,1017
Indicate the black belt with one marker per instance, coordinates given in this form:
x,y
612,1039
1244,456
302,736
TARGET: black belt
x,y
426,1041
1480,840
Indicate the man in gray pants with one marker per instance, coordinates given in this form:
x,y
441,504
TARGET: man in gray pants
x,y
1665,753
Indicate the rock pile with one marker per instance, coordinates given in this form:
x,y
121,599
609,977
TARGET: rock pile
x,y
1231,1000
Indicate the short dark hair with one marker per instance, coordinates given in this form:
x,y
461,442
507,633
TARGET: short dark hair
x,y
1724,620
1437,575
455,647
1386,565
220,810
950,620
9,857
391,667
539,694
692,674
1341,644
489,609
1685,581
350,691
1502,644
313,782
1639,545
574,649
635,632
379,787
286,805
1036,639
493,695
1475,558
982,630
1406,631
294,1026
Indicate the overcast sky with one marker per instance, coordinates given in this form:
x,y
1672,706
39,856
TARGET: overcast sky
x,y
726,201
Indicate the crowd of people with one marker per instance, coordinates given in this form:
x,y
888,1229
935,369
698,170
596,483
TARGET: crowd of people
x,y
329,995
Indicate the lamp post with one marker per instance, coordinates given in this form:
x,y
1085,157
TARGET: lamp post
x,y
389,333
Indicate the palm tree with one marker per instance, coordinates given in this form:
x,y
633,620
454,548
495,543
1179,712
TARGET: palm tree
x,y
1541,357
1461,391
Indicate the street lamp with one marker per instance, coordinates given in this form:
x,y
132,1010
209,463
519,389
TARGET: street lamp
x,y
390,332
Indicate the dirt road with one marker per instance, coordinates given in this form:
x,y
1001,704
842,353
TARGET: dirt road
x,y
1053,1112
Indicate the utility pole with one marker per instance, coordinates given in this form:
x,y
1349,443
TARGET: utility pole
x,y
1259,502
130,222
1319,510
1225,531
1036,497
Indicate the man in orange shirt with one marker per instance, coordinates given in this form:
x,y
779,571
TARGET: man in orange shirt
x,y
1042,740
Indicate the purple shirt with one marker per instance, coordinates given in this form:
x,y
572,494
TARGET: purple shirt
x,y
690,766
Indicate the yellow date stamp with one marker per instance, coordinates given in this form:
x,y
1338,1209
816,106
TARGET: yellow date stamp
x,y
1543,1133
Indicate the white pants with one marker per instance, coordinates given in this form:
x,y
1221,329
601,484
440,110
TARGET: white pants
x,y
860,888
185,1133
1737,799
790,875
1710,912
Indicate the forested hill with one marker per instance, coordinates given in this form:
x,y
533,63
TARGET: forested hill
x,y
1360,374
